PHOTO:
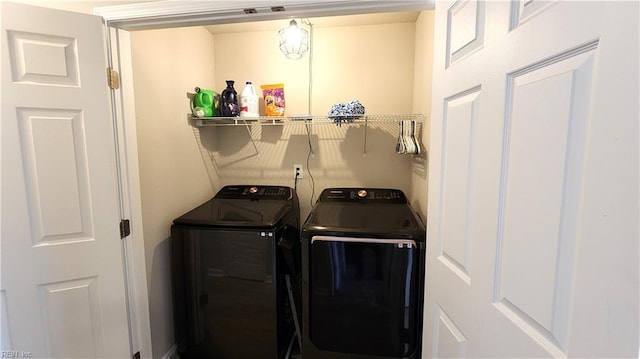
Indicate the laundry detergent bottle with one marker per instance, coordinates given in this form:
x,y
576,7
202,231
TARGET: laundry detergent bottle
x,y
230,101
203,103
249,101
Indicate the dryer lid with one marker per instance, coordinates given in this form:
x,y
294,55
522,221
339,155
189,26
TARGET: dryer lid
x,y
242,206
383,212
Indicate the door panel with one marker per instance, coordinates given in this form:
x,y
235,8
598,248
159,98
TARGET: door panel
x,y
523,10
465,29
54,156
534,181
538,219
73,306
63,292
451,342
458,163
5,335
38,58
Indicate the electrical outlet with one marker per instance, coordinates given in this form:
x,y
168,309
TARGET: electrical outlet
x,y
297,171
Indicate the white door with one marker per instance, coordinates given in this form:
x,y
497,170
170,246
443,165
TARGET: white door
x,y
533,181
62,290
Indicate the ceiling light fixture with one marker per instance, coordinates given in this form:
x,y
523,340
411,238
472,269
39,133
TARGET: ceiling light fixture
x,y
294,41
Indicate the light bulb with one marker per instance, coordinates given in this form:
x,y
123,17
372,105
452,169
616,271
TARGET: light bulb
x,y
294,41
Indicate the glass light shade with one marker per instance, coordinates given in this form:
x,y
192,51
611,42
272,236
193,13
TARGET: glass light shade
x,y
294,41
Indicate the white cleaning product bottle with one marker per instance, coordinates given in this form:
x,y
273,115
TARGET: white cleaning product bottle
x,y
249,101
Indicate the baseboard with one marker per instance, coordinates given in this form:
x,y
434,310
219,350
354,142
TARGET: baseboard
x,y
172,353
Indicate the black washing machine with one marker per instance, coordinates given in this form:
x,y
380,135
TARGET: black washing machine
x,y
363,262
230,257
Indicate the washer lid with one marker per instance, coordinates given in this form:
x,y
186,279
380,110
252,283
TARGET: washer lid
x,y
242,206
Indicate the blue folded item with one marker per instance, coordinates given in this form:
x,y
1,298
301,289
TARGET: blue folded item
x,y
346,112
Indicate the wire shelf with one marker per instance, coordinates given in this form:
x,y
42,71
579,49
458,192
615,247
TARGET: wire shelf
x,y
365,120
304,120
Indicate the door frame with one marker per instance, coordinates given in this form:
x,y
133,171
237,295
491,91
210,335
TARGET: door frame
x,y
123,109
121,19
165,14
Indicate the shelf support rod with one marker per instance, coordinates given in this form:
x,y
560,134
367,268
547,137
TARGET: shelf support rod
x,y
308,127
364,147
253,142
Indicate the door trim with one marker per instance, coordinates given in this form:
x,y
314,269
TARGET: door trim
x,y
130,194
163,14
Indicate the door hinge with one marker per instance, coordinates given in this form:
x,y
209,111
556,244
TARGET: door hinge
x,y
136,355
125,228
113,78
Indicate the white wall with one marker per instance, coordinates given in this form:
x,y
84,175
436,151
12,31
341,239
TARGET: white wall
x,y
371,63
173,179
422,75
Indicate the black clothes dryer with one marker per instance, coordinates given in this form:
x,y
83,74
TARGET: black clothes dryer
x,y
363,266
229,260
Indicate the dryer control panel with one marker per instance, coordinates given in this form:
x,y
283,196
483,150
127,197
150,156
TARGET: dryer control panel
x,y
255,192
377,195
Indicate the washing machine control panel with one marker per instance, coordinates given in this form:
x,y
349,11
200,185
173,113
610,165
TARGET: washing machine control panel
x,y
255,192
379,195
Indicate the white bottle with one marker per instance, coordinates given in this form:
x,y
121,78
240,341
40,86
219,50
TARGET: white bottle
x,y
249,101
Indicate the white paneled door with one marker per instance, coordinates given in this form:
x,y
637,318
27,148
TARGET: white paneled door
x,y
62,285
533,184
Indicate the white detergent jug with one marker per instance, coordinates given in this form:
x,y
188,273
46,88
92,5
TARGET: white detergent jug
x,y
249,101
